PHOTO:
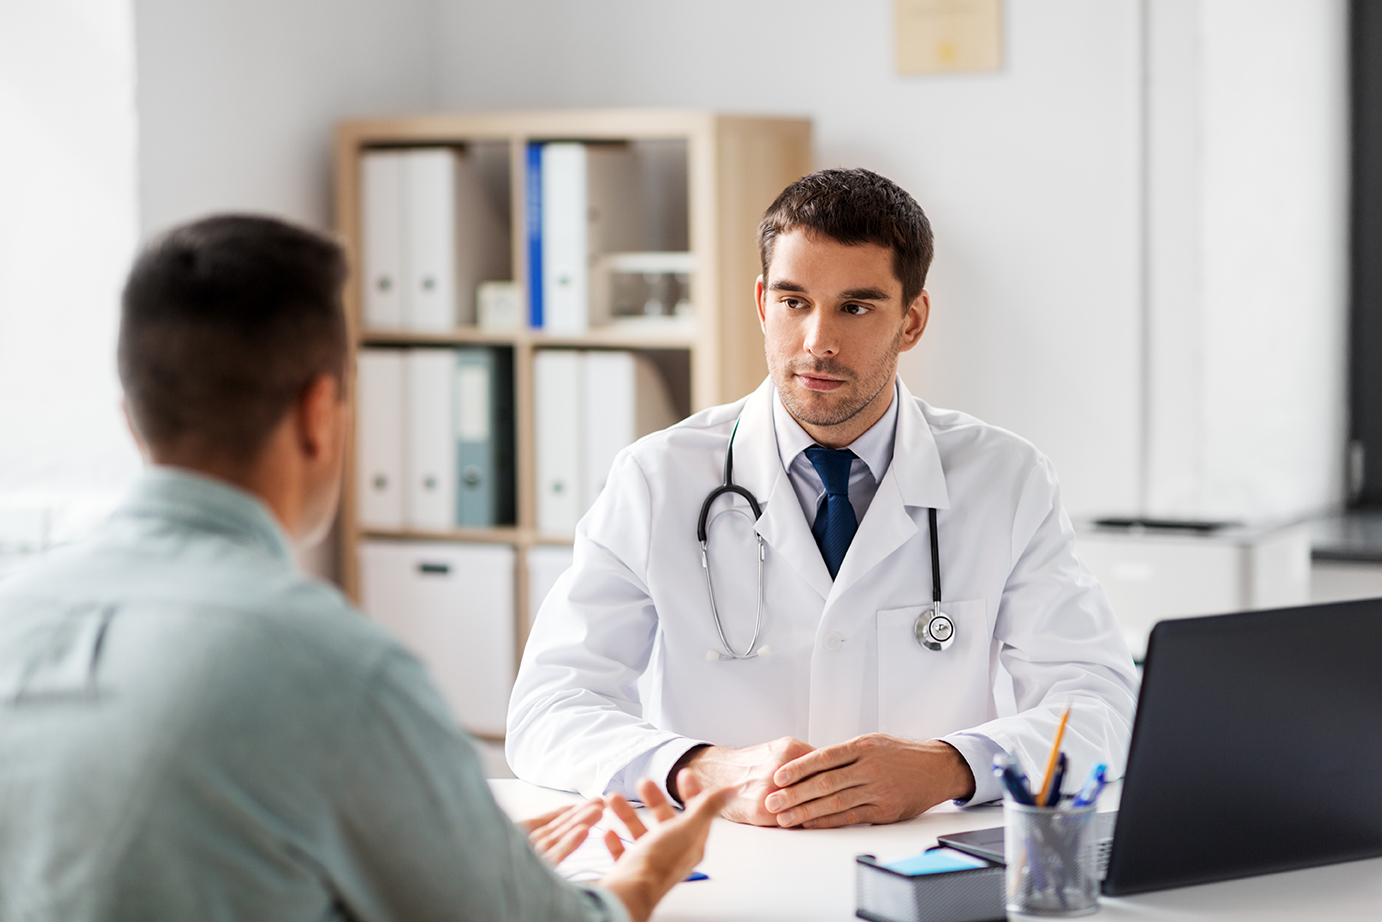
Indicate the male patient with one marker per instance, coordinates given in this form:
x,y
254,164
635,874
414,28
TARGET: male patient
x,y
190,728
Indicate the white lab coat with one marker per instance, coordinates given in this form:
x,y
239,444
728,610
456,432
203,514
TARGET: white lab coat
x,y
617,664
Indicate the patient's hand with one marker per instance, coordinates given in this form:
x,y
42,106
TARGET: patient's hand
x,y
557,834
749,771
664,855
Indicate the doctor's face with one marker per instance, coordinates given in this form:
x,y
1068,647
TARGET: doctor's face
x,y
833,327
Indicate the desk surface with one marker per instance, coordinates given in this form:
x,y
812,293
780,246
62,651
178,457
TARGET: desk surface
x,y
806,875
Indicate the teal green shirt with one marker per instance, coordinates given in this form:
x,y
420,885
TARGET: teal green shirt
x,y
192,729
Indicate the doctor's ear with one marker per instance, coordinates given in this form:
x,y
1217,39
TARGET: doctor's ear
x,y
758,300
915,320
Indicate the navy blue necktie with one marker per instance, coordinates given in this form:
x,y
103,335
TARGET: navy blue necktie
x,y
835,522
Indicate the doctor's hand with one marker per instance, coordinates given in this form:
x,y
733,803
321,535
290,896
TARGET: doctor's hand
x,y
662,856
872,778
749,771
557,834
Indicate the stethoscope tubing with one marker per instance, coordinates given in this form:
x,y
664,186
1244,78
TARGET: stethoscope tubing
x,y
926,629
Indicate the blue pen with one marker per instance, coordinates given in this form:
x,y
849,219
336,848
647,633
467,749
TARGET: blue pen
x,y
1090,792
1013,779
1053,800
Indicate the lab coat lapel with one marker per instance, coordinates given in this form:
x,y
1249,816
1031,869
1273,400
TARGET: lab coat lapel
x,y
914,479
758,466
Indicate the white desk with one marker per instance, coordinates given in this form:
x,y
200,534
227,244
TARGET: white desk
x,y
804,875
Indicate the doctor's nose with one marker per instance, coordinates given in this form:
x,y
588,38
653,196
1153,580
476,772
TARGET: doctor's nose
x,y
820,337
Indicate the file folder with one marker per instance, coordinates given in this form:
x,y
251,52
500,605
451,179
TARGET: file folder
x,y
379,439
556,387
382,240
484,437
452,605
430,185
590,205
430,455
624,398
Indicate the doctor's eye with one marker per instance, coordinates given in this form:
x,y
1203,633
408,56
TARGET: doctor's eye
x,y
856,309
793,303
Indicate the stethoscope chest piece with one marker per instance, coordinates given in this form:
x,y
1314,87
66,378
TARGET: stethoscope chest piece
x,y
934,630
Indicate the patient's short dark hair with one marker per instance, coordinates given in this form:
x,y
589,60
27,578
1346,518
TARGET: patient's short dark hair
x,y
223,323
852,207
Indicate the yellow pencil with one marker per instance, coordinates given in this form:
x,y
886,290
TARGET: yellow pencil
x,y
1055,757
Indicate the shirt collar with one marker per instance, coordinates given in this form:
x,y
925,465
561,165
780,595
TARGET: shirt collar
x,y
202,502
874,447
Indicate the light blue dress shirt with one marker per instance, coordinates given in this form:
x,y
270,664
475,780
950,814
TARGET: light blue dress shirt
x,y
192,729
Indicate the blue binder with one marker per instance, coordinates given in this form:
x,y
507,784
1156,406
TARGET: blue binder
x,y
533,216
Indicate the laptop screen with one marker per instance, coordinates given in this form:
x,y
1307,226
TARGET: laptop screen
x,y
1257,747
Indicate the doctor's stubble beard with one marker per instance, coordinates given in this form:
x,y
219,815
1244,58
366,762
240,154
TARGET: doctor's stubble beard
x,y
846,411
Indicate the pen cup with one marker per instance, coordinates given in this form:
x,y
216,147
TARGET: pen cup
x,y
1052,860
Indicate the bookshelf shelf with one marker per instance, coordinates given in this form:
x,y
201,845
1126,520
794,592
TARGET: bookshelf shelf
x,y
610,337
734,165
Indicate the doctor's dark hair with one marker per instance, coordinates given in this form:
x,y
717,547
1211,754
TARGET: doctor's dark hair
x,y
223,324
852,207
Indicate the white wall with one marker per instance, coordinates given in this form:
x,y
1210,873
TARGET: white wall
x,y
67,232
1030,176
1181,353
1247,267
238,98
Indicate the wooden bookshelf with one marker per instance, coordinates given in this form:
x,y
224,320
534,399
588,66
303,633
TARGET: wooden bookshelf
x,y
735,166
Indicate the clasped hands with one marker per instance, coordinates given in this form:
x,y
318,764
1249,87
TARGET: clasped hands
x,y
874,778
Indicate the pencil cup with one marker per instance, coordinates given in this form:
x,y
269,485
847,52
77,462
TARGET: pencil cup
x,y
1052,860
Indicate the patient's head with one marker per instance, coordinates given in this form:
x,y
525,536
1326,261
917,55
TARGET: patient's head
x,y
851,207
232,354
225,321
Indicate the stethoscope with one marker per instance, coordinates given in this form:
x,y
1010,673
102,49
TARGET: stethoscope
x,y
933,629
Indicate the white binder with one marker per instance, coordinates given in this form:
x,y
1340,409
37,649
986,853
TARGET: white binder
x,y
624,398
430,455
456,237
430,185
590,205
382,239
556,388
452,605
379,439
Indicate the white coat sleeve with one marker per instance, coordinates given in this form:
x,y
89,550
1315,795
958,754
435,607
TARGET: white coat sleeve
x,y
1056,635
575,717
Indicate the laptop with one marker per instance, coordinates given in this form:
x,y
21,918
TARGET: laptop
x,y
1257,748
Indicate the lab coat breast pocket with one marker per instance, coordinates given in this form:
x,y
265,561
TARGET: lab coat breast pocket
x,y
924,694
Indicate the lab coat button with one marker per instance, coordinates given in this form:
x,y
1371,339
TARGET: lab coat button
x,y
832,641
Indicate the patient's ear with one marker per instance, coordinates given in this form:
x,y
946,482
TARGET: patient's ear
x,y
320,416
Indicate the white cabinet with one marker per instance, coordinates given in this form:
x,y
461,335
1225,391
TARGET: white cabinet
x,y
452,605
1151,575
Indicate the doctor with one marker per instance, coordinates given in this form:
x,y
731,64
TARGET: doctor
x,y
810,665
